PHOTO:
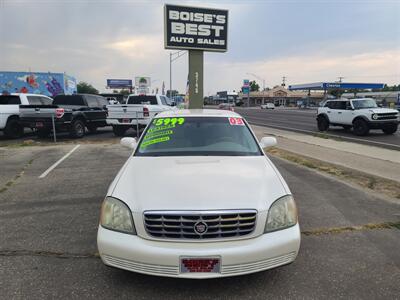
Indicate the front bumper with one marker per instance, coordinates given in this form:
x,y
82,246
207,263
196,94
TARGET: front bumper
x,y
379,124
162,258
60,124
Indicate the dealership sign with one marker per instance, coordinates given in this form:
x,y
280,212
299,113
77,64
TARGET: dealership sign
x,y
119,83
195,28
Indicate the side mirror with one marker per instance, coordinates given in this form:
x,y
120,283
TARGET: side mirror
x,y
268,141
129,142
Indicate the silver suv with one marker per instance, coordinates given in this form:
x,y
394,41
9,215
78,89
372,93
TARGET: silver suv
x,y
361,114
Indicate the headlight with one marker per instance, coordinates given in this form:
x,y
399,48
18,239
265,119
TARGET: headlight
x,y
282,214
374,116
115,215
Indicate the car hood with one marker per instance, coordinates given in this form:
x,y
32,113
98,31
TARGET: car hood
x,y
380,110
199,183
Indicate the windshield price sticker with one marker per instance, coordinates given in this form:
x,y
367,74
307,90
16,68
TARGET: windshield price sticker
x,y
154,141
168,121
161,132
236,121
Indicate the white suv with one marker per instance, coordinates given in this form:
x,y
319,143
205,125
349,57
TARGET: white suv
x,y
361,114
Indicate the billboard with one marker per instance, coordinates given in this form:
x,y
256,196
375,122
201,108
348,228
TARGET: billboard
x,y
119,83
50,84
195,28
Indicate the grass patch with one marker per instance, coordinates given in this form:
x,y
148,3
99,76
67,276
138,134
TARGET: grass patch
x,y
337,230
377,184
326,136
16,177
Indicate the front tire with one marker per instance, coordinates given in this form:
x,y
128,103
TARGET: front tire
x,y
323,123
360,127
13,129
119,130
390,128
92,128
77,130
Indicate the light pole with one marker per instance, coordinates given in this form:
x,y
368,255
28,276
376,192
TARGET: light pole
x,y
154,80
263,81
172,57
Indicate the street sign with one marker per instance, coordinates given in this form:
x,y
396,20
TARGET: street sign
x,y
119,83
245,89
246,82
195,28
142,82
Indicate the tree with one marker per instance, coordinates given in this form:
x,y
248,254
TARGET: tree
x,y
86,88
254,86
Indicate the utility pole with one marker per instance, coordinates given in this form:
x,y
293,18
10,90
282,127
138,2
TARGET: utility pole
x,y
340,78
263,81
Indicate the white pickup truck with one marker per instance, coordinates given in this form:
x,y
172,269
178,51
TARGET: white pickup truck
x,y
9,111
137,112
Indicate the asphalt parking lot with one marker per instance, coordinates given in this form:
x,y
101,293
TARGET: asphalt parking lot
x,y
48,236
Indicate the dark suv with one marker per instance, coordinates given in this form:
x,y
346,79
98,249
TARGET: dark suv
x,y
71,113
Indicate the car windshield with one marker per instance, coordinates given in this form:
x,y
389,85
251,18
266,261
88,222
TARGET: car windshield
x,y
68,100
142,99
198,136
365,103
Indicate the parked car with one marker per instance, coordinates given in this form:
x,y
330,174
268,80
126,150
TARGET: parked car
x,y
137,112
112,100
361,114
226,106
268,106
198,198
71,113
9,111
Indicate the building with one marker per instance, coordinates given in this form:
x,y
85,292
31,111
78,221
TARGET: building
x,y
384,98
45,83
223,97
281,96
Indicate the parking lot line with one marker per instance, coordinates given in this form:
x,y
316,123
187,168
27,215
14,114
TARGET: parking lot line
x,y
45,173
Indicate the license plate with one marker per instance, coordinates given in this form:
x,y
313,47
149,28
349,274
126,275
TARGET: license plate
x,y
39,124
200,264
126,120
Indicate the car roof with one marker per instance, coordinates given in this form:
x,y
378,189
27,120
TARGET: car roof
x,y
28,94
146,95
198,113
346,99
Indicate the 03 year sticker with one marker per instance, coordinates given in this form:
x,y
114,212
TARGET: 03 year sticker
x,y
236,121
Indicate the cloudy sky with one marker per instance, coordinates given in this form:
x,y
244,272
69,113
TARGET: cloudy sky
x,y
304,40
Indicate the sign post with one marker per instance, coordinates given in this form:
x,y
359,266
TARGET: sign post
x,y
197,30
196,79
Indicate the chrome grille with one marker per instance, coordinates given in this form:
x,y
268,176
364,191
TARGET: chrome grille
x,y
181,224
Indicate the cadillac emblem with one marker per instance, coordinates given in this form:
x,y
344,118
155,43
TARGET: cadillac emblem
x,y
200,228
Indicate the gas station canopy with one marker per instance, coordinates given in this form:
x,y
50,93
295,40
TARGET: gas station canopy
x,y
335,85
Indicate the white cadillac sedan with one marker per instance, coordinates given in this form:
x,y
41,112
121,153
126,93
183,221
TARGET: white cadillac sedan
x,y
198,198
